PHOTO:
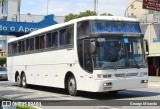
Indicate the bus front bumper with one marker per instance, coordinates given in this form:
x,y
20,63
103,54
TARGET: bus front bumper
x,y
120,84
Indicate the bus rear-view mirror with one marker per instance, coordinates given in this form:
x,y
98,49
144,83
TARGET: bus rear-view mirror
x,y
146,47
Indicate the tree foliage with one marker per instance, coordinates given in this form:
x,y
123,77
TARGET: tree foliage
x,y
81,14
70,17
3,60
87,13
106,14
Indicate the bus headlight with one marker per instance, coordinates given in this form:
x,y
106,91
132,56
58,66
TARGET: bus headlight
x,y
107,84
144,81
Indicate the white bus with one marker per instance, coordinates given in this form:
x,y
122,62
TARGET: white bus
x,y
95,54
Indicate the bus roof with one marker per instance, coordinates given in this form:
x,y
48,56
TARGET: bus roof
x,y
108,18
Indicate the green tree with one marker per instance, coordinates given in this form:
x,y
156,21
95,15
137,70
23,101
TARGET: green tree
x,y
81,14
87,13
70,17
3,60
106,14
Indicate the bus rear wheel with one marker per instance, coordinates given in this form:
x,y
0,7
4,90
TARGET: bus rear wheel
x,y
19,82
24,81
72,86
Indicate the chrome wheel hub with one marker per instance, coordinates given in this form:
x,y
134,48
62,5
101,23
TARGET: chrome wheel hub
x,y
72,85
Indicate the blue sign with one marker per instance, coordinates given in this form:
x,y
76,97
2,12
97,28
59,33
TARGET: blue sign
x,y
21,28
126,40
116,27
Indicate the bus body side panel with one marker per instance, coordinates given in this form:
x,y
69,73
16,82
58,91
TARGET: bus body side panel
x,y
45,68
9,69
15,64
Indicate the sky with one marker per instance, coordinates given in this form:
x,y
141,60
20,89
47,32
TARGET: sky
x,y
64,7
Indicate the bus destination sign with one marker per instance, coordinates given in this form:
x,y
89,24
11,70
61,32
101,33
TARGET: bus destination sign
x,y
151,5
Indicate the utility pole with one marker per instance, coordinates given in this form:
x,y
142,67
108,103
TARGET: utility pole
x,y
95,2
19,10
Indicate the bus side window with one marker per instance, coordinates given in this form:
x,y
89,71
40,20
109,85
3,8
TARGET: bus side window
x,y
54,39
23,46
62,34
27,45
48,40
80,52
31,45
83,29
42,42
87,56
37,43
70,35
9,49
19,46
14,47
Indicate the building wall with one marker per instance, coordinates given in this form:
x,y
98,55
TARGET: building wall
x,y
135,10
59,19
37,18
5,7
151,32
12,9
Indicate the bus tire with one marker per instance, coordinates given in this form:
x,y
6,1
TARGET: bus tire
x,y
72,86
19,81
24,81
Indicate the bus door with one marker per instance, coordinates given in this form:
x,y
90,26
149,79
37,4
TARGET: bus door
x,y
87,56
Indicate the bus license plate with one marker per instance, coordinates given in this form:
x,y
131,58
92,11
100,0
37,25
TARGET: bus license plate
x,y
107,88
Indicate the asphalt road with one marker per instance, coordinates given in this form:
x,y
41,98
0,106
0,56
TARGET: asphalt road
x,y
12,91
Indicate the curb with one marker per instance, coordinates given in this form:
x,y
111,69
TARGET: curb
x,y
36,107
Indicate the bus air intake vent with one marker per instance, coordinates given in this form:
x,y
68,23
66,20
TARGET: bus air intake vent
x,y
126,75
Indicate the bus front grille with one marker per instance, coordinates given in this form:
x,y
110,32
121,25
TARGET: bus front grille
x,y
126,74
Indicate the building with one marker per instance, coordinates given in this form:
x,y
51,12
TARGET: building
x,y
135,9
7,12
10,11
151,29
150,25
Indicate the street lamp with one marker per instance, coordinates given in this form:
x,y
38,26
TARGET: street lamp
x,y
130,5
95,6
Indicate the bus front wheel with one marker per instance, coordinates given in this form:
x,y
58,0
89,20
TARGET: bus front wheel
x,y
19,82
24,81
72,86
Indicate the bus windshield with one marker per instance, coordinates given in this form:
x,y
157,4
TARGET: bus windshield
x,y
119,53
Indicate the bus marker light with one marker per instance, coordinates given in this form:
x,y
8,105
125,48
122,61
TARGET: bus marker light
x,y
99,76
